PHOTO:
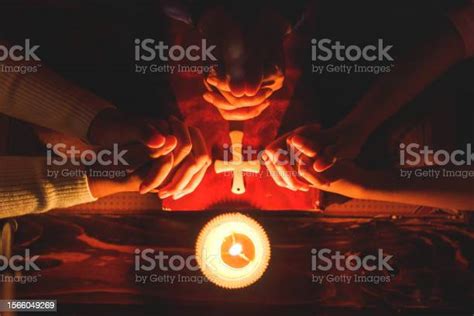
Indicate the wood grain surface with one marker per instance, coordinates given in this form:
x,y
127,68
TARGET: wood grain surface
x,y
87,263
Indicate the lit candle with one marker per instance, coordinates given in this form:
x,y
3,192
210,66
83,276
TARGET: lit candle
x,y
233,250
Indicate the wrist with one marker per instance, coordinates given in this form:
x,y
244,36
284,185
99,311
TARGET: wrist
x,y
101,187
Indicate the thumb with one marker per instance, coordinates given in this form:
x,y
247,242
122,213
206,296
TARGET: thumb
x,y
328,157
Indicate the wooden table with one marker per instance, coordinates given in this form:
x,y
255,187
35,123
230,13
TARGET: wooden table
x,y
87,264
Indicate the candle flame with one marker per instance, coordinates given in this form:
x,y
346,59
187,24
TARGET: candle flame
x,y
235,250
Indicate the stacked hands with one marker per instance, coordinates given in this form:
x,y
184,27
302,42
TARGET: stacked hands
x,y
168,155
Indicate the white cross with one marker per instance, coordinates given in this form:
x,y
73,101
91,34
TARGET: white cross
x,y
237,165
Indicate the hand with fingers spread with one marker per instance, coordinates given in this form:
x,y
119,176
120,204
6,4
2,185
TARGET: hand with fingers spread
x,y
186,167
190,172
163,165
251,65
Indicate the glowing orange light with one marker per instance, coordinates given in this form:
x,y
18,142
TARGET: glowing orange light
x,y
233,250
237,250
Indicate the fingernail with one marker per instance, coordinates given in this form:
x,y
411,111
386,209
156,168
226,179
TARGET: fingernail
x,y
304,188
211,80
156,141
297,141
169,149
264,157
163,194
178,196
208,97
321,165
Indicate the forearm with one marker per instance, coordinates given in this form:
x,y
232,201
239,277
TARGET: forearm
x,y
439,191
126,178
44,98
412,73
28,185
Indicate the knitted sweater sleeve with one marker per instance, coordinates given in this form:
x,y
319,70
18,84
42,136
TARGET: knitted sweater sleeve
x,y
29,185
46,99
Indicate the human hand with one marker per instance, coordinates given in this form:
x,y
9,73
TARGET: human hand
x,y
322,148
146,173
281,162
128,178
190,160
112,126
252,63
190,172
327,146
169,143
344,178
